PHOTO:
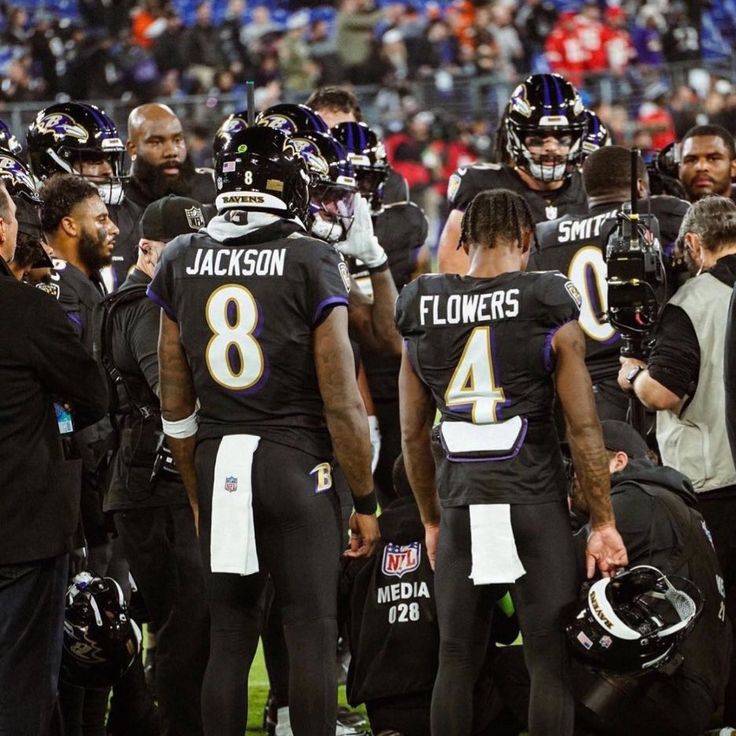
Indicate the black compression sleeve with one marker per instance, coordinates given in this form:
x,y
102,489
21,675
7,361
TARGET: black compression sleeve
x,y
675,359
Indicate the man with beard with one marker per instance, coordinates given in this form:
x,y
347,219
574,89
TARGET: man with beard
x,y
160,165
707,162
683,381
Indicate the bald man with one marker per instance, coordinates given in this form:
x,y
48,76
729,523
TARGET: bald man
x,y
159,166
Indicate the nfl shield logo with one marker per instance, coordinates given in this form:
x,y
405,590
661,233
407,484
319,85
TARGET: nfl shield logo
x,y
195,218
231,483
399,559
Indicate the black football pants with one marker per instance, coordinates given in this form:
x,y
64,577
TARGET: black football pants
x,y
464,611
298,542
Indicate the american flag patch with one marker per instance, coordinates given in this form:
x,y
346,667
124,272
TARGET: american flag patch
x,y
228,167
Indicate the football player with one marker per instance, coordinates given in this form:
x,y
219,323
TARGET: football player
x,y
401,229
575,246
254,333
500,480
542,136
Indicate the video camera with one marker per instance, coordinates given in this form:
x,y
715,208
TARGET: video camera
x,y
636,275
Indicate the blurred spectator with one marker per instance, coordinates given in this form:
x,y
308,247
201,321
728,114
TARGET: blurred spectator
x,y
16,30
323,52
147,23
298,71
506,37
168,50
261,25
535,20
683,104
592,36
647,36
406,154
681,41
355,22
233,49
564,49
202,48
619,48
655,117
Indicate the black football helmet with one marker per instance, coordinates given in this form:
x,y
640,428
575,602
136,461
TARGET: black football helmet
x,y
17,179
545,105
232,124
67,135
368,157
8,142
596,134
631,623
259,169
100,639
332,186
289,118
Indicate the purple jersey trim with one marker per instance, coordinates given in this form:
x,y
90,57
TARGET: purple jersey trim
x,y
515,450
548,362
154,297
325,304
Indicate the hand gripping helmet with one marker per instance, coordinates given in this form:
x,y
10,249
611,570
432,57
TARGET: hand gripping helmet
x,y
8,142
289,118
65,136
17,179
545,105
596,135
100,640
332,186
259,169
368,156
631,623
232,124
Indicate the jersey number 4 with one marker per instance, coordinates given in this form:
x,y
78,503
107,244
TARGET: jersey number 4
x,y
473,382
233,356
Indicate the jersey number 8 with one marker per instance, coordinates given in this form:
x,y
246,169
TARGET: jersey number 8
x,y
234,357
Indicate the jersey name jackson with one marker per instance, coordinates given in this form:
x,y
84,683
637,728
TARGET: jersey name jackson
x,y
238,262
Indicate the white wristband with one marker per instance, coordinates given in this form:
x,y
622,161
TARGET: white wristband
x,y
181,428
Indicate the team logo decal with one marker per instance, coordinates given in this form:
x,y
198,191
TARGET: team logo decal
x,y
342,267
312,157
323,477
572,290
195,218
13,170
61,125
550,212
83,648
280,122
231,483
233,125
399,559
519,102
606,641
452,186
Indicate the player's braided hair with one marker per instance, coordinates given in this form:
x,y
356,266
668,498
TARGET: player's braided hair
x,y
496,215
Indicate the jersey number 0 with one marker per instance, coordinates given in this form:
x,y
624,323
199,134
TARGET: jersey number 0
x,y
234,357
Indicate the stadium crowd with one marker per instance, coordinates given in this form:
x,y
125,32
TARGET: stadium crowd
x,y
246,401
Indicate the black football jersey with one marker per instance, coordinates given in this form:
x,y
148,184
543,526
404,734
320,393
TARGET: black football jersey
x,y
246,310
395,189
402,230
466,182
483,347
574,245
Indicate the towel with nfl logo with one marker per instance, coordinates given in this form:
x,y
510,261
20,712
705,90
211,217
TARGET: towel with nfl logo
x,y
233,537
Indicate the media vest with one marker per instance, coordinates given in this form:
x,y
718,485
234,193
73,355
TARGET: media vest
x,y
695,441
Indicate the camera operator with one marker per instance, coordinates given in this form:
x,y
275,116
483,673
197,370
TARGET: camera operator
x,y
152,512
707,162
683,380
575,245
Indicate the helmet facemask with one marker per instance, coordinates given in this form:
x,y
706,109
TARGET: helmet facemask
x,y
331,211
546,163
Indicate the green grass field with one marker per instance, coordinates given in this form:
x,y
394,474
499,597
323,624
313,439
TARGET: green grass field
x,y
258,692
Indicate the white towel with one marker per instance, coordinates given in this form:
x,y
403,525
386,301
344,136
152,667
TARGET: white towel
x,y
492,545
233,537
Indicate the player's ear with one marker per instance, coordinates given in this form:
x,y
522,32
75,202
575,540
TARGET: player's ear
x,y
527,236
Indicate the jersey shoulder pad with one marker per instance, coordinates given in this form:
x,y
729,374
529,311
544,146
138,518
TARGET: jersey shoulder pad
x,y
554,290
466,182
410,217
547,232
